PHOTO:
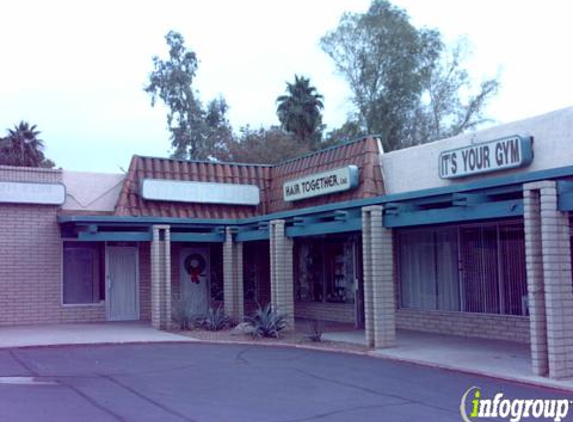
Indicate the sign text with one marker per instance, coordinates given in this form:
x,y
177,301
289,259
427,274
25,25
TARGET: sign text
x,y
500,154
331,181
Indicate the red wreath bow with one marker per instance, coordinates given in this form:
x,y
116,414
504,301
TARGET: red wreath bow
x,y
195,273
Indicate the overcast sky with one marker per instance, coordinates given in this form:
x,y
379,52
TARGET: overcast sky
x,y
77,69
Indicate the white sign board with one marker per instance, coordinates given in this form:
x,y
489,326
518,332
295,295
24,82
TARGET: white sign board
x,y
32,193
506,153
325,183
199,192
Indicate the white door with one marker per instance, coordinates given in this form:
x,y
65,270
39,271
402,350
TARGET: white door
x,y
194,277
122,286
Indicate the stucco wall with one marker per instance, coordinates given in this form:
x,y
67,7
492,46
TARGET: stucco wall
x,y
92,192
416,168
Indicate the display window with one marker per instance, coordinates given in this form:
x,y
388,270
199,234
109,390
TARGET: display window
x,y
469,268
83,272
326,269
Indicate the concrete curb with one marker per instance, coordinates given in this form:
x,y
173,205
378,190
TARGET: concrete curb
x,y
369,353
103,343
529,382
373,354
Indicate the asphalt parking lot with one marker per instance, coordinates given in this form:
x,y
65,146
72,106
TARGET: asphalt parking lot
x,y
208,382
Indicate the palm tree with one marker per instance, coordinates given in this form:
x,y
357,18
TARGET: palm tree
x,y
23,148
299,111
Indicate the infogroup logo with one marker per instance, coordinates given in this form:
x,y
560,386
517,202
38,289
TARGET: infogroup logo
x,y
474,406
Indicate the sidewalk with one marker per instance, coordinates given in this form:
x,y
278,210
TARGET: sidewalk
x,y
493,358
96,333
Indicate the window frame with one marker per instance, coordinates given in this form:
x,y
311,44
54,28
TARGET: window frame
x,y
500,268
325,245
103,274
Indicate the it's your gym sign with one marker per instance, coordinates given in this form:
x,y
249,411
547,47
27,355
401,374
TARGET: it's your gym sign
x,y
506,153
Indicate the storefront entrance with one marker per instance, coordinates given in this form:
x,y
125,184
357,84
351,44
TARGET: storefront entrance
x,y
328,279
195,270
122,284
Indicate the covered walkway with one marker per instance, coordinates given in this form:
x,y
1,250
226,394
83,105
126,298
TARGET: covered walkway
x,y
495,358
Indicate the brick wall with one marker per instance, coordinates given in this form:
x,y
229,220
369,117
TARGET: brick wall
x,y
31,267
548,253
379,280
334,312
233,290
161,292
281,256
31,270
496,327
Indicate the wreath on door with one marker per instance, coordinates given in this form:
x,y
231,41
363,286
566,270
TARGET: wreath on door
x,y
195,266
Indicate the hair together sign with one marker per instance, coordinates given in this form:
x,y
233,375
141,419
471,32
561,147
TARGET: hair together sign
x,y
325,183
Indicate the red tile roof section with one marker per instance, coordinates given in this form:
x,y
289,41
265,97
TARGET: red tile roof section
x,y
363,153
130,203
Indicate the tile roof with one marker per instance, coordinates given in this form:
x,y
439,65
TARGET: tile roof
x,y
130,203
362,153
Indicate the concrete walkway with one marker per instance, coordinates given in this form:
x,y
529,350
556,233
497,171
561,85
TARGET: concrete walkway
x,y
104,333
499,359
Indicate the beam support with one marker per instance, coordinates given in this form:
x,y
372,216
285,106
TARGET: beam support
x,y
233,276
282,283
379,295
161,278
492,210
549,281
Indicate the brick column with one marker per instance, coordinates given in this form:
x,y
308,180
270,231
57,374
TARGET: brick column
x,y
535,289
282,289
233,277
379,296
554,353
367,275
161,277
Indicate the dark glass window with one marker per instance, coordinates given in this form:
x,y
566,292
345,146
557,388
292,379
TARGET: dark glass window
x,y
256,271
326,269
471,268
83,268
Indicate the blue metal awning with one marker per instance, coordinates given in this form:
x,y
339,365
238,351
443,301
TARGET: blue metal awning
x,y
490,198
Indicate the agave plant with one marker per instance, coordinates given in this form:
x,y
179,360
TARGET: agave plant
x,y
182,315
215,319
267,322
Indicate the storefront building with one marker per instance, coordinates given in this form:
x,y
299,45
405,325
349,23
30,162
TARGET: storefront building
x,y
468,236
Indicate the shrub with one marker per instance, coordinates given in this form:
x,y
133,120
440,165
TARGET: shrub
x,y
315,330
182,316
267,322
215,319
